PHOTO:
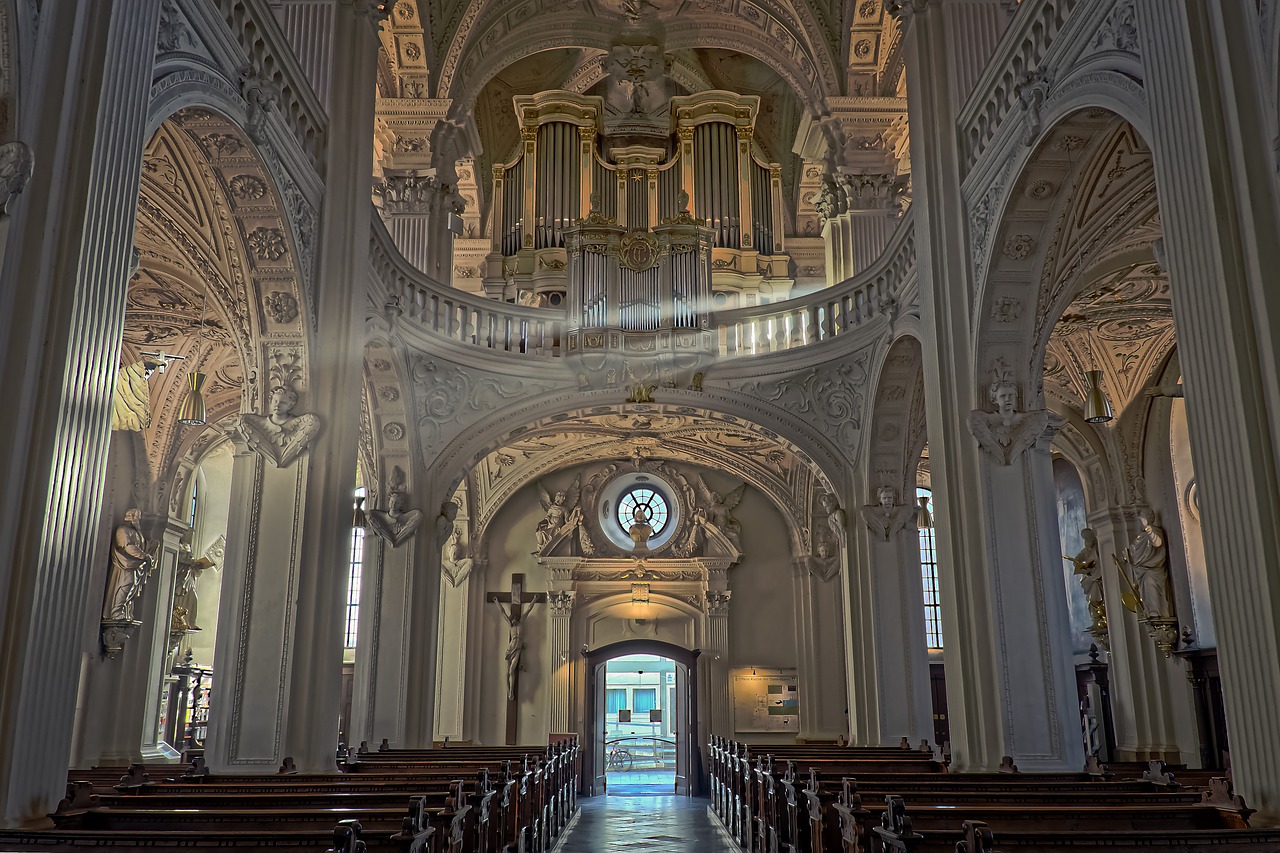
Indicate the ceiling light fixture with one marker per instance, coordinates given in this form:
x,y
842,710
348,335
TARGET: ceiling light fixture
x,y
1097,409
924,520
193,412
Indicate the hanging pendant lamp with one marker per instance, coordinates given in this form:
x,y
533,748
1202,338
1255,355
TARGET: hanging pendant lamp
x,y
924,520
1097,409
192,412
360,519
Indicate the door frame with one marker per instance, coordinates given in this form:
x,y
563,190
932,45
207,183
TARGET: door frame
x,y
690,753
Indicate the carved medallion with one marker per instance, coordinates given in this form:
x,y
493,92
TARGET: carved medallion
x,y
638,251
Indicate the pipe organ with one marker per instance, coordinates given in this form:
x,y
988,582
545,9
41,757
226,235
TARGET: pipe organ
x,y
706,176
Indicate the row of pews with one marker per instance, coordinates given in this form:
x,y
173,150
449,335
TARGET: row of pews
x,y
457,800
828,799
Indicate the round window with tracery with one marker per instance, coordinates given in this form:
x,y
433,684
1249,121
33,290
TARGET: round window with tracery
x,y
652,502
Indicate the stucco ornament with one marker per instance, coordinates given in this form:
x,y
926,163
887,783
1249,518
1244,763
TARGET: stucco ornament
x,y
837,518
455,565
886,516
280,436
829,398
397,523
718,510
562,514
1005,433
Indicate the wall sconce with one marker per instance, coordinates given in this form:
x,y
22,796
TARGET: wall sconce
x,y
924,520
639,593
1097,409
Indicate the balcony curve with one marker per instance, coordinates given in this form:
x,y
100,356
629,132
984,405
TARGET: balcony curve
x,y
826,314
442,312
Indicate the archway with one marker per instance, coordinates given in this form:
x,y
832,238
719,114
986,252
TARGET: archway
x,y
684,732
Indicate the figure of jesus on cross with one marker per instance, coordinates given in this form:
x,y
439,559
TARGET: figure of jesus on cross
x,y
513,613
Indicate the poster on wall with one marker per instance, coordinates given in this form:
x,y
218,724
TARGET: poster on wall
x,y
765,700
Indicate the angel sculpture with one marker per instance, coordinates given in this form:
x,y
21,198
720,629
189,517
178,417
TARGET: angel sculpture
x,y
886,516
1005,432
279,436
562,512
397,522
719,510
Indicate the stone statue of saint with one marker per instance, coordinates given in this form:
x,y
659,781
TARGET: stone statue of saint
x,y
130,565
279,436
886,516
837,519
719,510
640,529
190,568
397,522
562,512
1005,432
1148,556
1087,568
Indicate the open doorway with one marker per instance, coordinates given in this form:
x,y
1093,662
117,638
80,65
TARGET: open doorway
x,y
642,700
639,723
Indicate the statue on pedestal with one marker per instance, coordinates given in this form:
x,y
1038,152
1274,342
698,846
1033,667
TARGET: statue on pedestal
x,y
1148,597
130,566
1086,568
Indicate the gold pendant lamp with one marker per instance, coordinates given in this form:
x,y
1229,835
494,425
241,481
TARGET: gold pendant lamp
x,y
1097,408
193,410
924,520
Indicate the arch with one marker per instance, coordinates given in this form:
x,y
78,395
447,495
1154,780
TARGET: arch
x,y
593,663
471,65
1087,186
897,432
219,280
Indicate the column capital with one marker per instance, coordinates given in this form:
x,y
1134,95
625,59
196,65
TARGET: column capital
x,y
561,602
718,602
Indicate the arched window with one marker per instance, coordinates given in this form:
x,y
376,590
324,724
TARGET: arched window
x,y
195,498
651,500
353,582
929,579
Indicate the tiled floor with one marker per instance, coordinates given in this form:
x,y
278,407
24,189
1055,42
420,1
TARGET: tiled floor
x,y
644,822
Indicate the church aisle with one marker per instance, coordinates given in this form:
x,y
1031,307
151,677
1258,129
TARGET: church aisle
x,y
645,823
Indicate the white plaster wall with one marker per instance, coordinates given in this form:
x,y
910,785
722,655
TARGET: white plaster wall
x,y
214,504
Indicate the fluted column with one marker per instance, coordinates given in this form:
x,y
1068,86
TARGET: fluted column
x,y
559,658
333,390
716,659
974,680
62,295
860,645
1216,179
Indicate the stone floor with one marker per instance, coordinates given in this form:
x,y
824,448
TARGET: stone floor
x,y
632,819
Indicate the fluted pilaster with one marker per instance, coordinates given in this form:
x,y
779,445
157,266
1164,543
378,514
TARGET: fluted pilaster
x,y
70,247
1217,188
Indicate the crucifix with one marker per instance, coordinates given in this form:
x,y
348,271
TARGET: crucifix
x,y
513,613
